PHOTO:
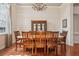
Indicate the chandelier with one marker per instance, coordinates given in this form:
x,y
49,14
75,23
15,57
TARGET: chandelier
x,y
39,6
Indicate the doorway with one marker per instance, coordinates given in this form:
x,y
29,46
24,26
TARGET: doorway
x,y
76,23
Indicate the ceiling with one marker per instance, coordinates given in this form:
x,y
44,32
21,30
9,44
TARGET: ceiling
x,y
30,4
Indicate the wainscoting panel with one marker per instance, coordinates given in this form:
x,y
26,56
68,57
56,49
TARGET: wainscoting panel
x,y
76,37
5,41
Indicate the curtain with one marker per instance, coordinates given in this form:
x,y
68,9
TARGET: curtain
x,y
9,26
5,16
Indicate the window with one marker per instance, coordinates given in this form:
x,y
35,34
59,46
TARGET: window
x,y
4,18
2,26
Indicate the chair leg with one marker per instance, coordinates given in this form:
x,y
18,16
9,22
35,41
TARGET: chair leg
x,y
35,50
16,47
56,50
21,44
47,50
32,51
24,48
61,49
65,48
44,50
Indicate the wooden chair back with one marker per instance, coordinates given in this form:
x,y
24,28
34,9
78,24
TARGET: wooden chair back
x,y
16,33
18,39
25,34
43,37
37,37
32,33
52,36
28,39
48,35
55,36
40,41
64,33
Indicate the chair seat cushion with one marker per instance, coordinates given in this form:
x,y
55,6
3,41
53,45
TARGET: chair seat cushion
x,y
19,41
19,37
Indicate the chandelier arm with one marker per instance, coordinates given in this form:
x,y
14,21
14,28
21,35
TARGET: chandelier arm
x,y
39,6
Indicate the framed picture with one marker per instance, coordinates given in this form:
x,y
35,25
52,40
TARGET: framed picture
x,y
64,23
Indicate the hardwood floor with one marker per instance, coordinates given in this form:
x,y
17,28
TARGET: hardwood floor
x,y
75,50
71,51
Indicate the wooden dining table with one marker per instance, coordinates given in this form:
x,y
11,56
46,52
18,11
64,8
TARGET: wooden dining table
x,y
60,37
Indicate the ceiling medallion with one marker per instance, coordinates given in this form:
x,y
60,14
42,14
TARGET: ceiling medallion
x,y
39,6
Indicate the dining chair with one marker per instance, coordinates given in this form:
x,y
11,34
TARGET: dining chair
x,y
28,41
24,35
52,38
43,39
18,39
33,35
62,42
40,41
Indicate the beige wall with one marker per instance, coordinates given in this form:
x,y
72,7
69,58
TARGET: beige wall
x,y
26,14
76,9
13,13
67,13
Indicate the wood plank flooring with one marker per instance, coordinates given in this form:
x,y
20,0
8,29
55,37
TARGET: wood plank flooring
x,y
71,51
